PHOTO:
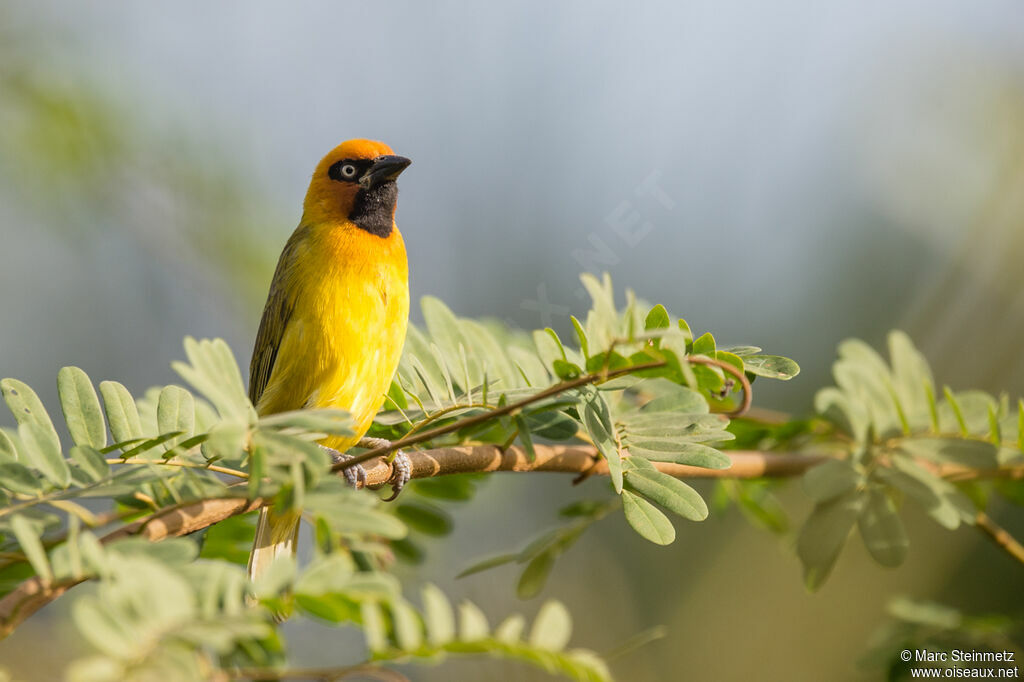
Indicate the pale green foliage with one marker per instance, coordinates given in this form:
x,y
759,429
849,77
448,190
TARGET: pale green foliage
x,y
161,613
660,412
173,446
436,631
896,433
458,368
627,385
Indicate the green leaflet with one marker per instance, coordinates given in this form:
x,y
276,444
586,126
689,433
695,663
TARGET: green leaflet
x,y
438,616
881,529
831,479
974,454
42,451
18,478
535,575
472,622
122,414
912,380
667,491
438,630
175,412
646,520
90,462
424,518
598,422
213,371
82,412
940,499
28,535
823,535
771,366
657,318
28,409
552,627
691,454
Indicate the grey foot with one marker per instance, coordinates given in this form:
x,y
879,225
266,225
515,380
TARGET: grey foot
x,y
401,473
355,475
401,466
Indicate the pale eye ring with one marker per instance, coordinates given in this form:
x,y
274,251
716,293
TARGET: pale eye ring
x,y
348,171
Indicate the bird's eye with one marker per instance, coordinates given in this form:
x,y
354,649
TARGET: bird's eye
x,y
348,171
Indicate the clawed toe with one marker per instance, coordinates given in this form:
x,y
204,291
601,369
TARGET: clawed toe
x,y
401,473
401,466
355,474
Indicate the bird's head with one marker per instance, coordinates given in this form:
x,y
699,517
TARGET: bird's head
x,y
355,182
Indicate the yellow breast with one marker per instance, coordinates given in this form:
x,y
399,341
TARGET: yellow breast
x,y
344,337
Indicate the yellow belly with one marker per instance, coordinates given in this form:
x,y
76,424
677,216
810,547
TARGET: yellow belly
x,y
343,340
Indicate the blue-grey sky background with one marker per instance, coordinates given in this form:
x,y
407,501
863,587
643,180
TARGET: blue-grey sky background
x,y
828,170
786,138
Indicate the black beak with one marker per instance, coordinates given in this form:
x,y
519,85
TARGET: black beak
x,y
384,168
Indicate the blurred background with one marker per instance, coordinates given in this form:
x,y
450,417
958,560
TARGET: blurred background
x,y
786,175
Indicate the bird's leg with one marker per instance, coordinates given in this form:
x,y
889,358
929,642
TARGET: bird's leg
x,y
355,475
401,467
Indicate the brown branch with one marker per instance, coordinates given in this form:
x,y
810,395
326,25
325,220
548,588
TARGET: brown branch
x,y
557,389
477,419
1000,536
33,594
575,459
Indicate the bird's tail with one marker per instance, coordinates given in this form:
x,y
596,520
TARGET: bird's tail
x,y
276,535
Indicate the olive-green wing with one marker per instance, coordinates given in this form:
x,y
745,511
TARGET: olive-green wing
x,y
276,313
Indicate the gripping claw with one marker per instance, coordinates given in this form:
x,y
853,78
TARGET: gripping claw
x,y
401,466
401,473
355,475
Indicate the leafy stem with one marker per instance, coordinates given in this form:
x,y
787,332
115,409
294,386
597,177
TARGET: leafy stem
x,y
559,388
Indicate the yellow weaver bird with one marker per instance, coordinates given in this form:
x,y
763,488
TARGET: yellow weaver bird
x,y
335,319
